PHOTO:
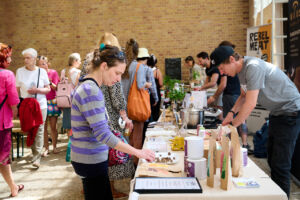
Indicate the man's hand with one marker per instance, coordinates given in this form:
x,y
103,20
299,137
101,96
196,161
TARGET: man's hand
x,y
228,119
210,100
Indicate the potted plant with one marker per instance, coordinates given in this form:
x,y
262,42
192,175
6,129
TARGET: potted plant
x,y
176,96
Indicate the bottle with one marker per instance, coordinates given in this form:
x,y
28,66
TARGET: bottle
x,y
200,131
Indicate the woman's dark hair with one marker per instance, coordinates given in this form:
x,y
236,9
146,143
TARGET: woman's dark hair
x,y
110,54
227,43
189,58
131,50
152,61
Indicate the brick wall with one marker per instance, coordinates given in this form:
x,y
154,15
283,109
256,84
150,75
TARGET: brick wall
x,y
168,28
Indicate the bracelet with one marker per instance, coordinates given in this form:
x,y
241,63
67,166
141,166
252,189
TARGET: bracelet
x,y
232,112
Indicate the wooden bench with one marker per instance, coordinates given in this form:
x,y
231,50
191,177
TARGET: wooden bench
x,y
18,134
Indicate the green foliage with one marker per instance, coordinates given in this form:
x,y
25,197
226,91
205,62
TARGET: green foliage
x,y
176,95
169,83
196,75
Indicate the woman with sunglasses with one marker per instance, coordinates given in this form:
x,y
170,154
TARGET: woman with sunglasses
x,y
91,132
53,112
9,100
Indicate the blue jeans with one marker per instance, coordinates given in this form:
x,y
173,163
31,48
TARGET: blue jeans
x,y
95,180
283,134
228,103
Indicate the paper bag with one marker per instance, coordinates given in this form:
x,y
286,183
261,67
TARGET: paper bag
x,y
236,153
225,170
211,165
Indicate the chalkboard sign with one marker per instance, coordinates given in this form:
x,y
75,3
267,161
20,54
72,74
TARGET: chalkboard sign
x,y
173,67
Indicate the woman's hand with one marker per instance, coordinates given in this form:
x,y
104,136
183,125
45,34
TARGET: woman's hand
x,y
15,111
146,154
228,119
32,90
148,85
128,124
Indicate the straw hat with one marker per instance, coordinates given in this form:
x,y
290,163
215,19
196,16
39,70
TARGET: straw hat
x,y
110,39
143,53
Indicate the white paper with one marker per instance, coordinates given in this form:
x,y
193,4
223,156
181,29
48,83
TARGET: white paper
x,y
166,183
134,196
199,99
160,133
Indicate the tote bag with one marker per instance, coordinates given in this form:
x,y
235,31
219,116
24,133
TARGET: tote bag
x,y
138,105
116,157
64,90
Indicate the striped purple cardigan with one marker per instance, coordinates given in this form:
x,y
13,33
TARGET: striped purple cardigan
x,y
91,132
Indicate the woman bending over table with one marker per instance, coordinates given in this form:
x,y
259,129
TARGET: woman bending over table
x,y
91,132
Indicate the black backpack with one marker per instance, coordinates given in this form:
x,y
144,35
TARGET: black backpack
x,y
260,140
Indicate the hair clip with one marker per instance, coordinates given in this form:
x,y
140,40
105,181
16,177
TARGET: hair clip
x,y
102,46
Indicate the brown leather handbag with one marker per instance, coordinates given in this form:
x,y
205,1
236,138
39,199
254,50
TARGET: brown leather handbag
x,y
138,105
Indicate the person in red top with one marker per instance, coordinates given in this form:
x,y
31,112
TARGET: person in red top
x,y
9,100
53,111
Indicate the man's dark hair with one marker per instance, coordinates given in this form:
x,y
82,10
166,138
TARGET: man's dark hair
x,y
203,55
227,43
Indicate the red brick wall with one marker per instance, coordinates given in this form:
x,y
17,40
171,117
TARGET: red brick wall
x,y
168,28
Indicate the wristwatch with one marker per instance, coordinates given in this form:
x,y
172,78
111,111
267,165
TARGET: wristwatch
x,y
232,112
50,83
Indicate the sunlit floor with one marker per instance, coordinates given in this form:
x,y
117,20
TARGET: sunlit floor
x,y
55,179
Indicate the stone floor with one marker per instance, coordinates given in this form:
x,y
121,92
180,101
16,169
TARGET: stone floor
x,y
56,178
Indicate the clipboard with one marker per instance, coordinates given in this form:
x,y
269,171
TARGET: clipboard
x,y
161,185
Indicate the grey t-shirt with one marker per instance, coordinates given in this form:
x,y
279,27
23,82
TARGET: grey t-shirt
x,y
277,92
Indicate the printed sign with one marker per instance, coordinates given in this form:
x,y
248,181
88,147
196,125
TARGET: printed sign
x,y
259,42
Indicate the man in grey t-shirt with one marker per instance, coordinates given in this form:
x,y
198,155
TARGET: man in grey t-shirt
x,y
271,88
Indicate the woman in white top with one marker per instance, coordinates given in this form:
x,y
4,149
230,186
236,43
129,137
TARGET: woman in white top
x,y
32,81
73,74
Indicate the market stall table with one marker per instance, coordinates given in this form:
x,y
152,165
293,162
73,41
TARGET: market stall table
x,y
268,190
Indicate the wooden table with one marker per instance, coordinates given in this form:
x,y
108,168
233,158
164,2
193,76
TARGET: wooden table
x,y
268,190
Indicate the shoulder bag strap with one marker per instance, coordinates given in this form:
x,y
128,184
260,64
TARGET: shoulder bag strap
x,y
63,75
38,81
2,103
135,75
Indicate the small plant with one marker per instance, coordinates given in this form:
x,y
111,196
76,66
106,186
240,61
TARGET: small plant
x,y
176,95
196,75
169,83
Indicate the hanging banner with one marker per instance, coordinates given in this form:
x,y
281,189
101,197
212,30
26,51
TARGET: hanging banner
x,y
293,68
294,33
259,42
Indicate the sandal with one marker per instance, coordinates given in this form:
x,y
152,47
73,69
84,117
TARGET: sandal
x,y
45,153
20,188
55,151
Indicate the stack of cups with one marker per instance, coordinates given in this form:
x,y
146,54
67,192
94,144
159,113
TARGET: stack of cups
x,y
245,156
194,163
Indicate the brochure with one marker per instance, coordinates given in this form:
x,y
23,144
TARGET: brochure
x,y
245,183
